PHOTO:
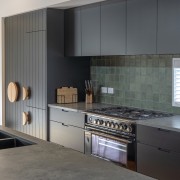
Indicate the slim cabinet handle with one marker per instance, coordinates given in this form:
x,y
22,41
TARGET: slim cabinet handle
x,y
164,150
65,125
163,130
64,110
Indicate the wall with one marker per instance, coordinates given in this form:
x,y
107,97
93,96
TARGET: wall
x,y
139,81
12,7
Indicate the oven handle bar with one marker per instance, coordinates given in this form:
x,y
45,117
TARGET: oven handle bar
x,y
110,137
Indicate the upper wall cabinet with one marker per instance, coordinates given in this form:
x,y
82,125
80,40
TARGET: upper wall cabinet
x,y
90,21
73,32
113,27
168,40
142,26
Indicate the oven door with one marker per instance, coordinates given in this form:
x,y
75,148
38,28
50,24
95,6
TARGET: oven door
x,y
109,147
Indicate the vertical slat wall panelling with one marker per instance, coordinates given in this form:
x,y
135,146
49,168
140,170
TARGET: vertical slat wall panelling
x,y
33,71
44,70
40,72
168,39
141,26
40,117
22,47
7,70
42,124
18,69
90,21
113,27
14,60
73,32
26,65
44,80
27,62
30,77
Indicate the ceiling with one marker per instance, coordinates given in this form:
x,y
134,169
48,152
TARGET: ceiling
x,y
74,3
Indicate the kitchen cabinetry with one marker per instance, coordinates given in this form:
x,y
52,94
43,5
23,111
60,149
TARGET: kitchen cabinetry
x,y
34,58
168,40
67,128
73,32
141,26
90,22
113,27
158,152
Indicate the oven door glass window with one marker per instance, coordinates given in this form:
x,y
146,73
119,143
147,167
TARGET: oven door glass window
x,y
109,149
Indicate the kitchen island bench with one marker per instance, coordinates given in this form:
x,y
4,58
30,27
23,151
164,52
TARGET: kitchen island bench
x,y
46,160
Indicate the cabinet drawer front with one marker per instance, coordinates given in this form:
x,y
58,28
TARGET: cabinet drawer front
x,y
67,117
156,163
55,133
67,136
74,138
159,137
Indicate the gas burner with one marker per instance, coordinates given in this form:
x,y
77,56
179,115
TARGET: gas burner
x,y
129,113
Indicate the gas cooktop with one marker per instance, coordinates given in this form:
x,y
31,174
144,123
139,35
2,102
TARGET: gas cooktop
x,y
129,113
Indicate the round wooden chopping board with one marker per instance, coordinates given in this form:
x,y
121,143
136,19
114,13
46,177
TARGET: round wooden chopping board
x,y
12,92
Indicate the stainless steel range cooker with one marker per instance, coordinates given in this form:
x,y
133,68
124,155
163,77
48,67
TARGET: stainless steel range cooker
x,y
111,133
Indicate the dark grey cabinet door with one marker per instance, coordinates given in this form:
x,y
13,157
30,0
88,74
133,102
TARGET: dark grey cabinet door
x,y
157,163
141,26
90,21
113,27
168,39
36,68
73,32
155,137
38,123
67,136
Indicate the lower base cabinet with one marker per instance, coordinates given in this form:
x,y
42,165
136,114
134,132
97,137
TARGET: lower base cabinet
x,y
158,163
67,136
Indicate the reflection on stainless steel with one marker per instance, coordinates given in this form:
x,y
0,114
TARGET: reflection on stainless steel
x,y
109,149
112,147
112,142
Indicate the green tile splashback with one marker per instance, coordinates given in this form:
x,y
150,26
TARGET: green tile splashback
x,y
143,81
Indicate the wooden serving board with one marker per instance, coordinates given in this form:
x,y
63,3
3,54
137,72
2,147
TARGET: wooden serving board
x,y
67,95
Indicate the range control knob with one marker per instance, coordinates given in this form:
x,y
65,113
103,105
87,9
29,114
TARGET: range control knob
x,y
99,122
112,125
116,125
121,126
95,121
124,127
108,124
104,123
129,129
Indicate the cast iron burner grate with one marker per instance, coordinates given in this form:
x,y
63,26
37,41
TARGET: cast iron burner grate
x,y
129,113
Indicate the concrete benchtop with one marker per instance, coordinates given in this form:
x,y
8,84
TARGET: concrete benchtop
x,y
79,107
46,160
169,123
